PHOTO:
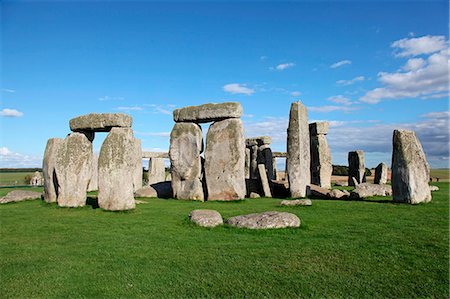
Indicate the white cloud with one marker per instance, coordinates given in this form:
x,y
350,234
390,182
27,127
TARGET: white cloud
x,y
283,66
237,88
11,113
156,134
295,94
414,64
340,63
350,82
108,98
10,159
340,99
8,90
420,45
331,108
130,108
161,109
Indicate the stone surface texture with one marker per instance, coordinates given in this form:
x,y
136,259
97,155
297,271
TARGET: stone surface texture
x,y
356,167
73,170
296,202
367,190
298,157
381,174
208,112
206,218
156,170
225,160
338,194
264,180
186,145
48,170
138,171
116,170
20,195
266,220
321,167
93,182
100,122
410,169
434,188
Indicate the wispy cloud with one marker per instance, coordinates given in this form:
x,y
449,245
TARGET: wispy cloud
x,y
236,88
12,159
109,98
331,108
295,94
156,134
6,112
340,99
283,66
340,63
130,108
8,90
350,82
162,109
263,57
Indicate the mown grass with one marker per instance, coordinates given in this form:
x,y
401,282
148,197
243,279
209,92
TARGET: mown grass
x,y
343,249
14,178
443,174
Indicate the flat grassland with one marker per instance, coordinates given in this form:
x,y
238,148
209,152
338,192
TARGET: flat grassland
x,y
359,249
14,178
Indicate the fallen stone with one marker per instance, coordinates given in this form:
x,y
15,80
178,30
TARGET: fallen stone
x,y
381,173
341,184
298,157
208,112
225,160
434,188
140,202
206,218
264,181
410,169
146,191
254,195
116,170
186,145
364,190
265,220
48,170
318,192
338,194
20,195
297,202
100,122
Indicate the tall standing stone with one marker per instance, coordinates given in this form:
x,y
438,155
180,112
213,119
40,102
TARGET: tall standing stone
x,y
225,160
138,171
298,157
156,171
73,170
381,174
247,162
356,167
186,145
410,170
116,170
93,182
48,170
321,167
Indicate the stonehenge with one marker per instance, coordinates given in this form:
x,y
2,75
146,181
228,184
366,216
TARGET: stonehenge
x,y
321,167
356,168
410,170
381,174
48,170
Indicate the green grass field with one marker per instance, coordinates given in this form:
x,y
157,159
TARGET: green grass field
x,y
442,174
359,249
14,178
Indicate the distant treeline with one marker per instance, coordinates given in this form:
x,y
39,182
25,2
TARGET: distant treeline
x,y
20,169
343,170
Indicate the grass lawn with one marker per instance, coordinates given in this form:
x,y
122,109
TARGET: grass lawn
x,y
442,174
356,249
14,178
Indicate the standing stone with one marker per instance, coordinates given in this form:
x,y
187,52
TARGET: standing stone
x,y
73,170
321,167
116,170
254,162
298,151
381,174
356,168
186,145
225,160
48,169
410,170
93,182
264,181
156,171
247,162
265,157
138,171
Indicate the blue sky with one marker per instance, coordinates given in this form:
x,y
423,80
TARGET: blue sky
x,y
367,67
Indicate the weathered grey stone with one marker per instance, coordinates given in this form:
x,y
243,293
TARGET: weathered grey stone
x,y
36,179
20,195
264,181
225,160
208,112
321,167
247,163
156,171
100,122
147,155
367,190
73,170
265,220
146,191
381,173
279,154
48,169
186,145
298,157
356,168
116,170
254,195
410,169
138,171
260,140
338,194
254,162
341,183
296,202
93,182
434,188
265,157
159,190
318,192
206,218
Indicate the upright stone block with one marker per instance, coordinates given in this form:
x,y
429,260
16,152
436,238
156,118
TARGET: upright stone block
x,y
321,167
73,170
225,160
265,157
247,162
298,157
410,170
381,174
48,170
186,145
93,182
138,171
116,170
356,167
156,171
